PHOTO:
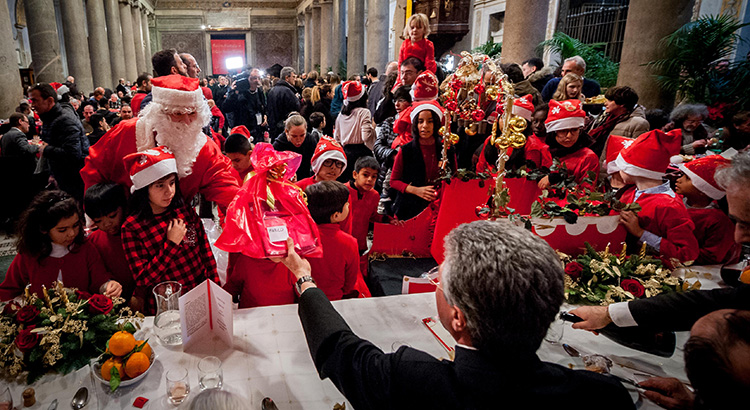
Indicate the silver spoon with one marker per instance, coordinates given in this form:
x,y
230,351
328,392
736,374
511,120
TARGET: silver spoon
x,y
80,399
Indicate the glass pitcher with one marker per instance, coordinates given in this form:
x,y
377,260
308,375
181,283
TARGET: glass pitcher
x,y
167,321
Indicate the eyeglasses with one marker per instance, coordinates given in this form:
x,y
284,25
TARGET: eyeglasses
x,y
330,163
431,275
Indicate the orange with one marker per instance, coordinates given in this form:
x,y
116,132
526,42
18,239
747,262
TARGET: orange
x,y
121,343
107,368
137,364
146,349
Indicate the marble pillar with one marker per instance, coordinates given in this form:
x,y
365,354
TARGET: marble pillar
x,y
645,26
525,27
326,38
140,56
315,40
338,46
76,44
126,22
98,47
114,40
10,78
44,41
399,22
308,42
146,41
377,34
355,41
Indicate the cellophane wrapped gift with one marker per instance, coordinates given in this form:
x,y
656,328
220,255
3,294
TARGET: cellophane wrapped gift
x,y
268,209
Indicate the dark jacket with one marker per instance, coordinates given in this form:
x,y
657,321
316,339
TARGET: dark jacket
x,y
108,115
407,206
282,99
14,143
540,78
382,148
245,105
324,106
307,149
412,379
68,146
374,94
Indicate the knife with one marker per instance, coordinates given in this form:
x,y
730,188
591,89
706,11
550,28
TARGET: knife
x,y
53,405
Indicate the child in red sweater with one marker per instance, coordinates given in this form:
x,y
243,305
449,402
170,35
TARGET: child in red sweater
x,y
363,200
713,228
238,149
51,247
105,204
337,272
663,221
416,44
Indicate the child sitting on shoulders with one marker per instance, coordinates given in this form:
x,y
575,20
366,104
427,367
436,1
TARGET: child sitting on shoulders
x,y
416,44
336,273
51,247
238,149
663,221
105,204
713,228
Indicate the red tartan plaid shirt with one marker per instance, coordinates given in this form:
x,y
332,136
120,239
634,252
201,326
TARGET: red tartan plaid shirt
x,y
154,259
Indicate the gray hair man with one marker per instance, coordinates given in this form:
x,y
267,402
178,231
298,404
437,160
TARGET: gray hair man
x,y
576,65
687,120
282,99
501,288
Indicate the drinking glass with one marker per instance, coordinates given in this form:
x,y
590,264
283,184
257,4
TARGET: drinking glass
x,y
6,400
210,375
178,386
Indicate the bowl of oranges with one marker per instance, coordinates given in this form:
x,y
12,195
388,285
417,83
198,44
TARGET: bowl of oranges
x,y
125,362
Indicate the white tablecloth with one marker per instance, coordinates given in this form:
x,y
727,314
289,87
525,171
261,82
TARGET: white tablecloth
x,y
270,356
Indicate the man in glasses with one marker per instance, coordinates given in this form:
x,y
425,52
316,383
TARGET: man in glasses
x,y
247,101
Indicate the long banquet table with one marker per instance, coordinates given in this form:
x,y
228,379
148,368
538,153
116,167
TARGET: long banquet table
x,y
270,356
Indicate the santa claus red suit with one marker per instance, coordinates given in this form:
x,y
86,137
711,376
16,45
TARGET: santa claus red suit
x,y
174,118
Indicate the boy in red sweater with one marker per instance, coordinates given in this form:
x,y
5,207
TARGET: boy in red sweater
x,y
337,272
713,228
238,149
663,221
363,200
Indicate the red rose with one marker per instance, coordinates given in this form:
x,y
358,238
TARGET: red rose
x,y
100,304
27,340
11,309
634,287
451,105
574,269
82,295
27,314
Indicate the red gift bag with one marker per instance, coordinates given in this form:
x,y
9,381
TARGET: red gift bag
x,y
268,209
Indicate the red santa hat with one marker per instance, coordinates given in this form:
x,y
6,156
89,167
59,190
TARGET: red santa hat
x,y
242,130
648,156
176,91
564,115
701,173
147,167
352,91
55,85
327,148
615,144
523,107
425,87
426,105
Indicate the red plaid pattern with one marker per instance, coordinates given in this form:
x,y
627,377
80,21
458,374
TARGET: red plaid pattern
x,y
154,259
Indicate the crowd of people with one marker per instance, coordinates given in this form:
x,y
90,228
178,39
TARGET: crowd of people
x,y
110,182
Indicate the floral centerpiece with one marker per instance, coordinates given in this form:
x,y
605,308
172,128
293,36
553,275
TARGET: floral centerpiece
x,y
61,330
601,278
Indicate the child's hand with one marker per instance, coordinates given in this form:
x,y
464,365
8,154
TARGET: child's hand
x,y
176,231
544,183
630,221
112,289
396,221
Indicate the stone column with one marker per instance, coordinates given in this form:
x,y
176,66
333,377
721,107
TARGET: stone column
x,y
355,43
377,34
338,45
140,58
399,21
308,41
98,48
44,41
146,41
126,22
645,26
315,40
10,78
525,27
326,38
76,45
114,40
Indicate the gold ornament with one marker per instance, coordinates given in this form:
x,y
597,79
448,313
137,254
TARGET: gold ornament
x,y
471,129
492,92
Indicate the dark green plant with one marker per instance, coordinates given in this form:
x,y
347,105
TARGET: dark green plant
x,y
691,52
490,48
598,66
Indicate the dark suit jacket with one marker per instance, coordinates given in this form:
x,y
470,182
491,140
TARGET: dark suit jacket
x,y
14,143
411,379
678,311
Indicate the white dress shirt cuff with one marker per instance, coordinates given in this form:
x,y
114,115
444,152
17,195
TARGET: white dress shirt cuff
x,y
620,314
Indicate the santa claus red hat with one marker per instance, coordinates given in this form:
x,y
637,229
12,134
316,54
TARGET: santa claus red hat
x,y
425,87
426,105
147,167
523,107
327,148
353,91
648,156
242,130
176,91
615,144
701,173
564,115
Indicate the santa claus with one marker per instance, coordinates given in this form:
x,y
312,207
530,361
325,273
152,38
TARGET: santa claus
x,y
174,118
